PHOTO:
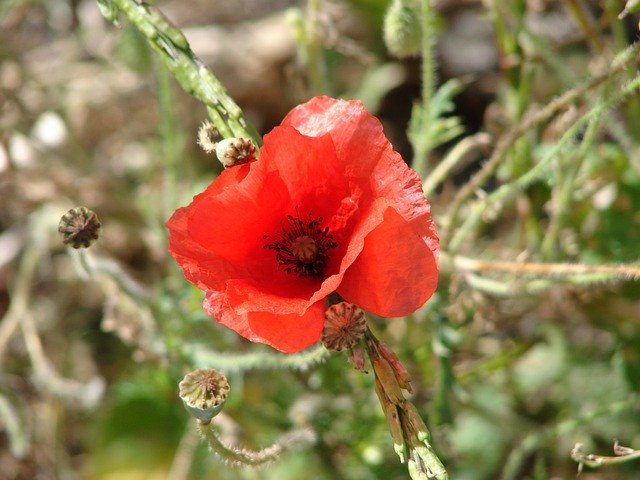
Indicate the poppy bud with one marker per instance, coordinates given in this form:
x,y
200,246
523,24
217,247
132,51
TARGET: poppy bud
x,y
207,136
399,370
79,227
402,34
344,326
395,428
386,376
235,151
203,392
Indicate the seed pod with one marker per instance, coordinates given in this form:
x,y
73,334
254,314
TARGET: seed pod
x,y
235,151
204,392
344,326
79,227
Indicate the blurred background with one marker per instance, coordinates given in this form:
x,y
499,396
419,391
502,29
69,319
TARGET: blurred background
x,y
510,372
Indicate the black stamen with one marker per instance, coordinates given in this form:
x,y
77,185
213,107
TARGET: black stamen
x,y
302,246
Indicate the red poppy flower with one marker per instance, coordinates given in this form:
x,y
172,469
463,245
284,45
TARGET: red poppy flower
x,y
328,206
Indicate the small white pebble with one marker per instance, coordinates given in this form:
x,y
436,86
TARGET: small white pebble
x,y
604,197
49,130
21,151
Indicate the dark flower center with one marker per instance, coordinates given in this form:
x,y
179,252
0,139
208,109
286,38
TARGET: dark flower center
x,y
302,247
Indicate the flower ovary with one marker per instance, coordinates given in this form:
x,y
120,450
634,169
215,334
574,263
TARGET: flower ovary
x,y
302,247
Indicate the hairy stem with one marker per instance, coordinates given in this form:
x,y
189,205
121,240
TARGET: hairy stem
x,y
530,121
239,457
174,51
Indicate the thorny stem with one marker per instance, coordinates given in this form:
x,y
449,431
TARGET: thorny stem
x,y
201,357
538,436
315,61
428,83
175,52
623,455
503,146
509,190
564,194
239,457
458,154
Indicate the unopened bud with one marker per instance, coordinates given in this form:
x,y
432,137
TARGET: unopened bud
x,y
384,374
235,151
204,392
415,424
207,136
402,33
399,370
344,326
79,227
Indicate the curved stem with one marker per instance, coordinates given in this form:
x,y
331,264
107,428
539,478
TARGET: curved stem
x,y
239,457
201,357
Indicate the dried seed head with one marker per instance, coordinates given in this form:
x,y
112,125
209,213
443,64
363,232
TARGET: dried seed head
x,y
79,227
207,135
235,151
204,392
344,326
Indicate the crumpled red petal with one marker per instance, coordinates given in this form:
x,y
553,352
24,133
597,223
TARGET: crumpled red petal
x,y
370,160
288,333
395,273
329,159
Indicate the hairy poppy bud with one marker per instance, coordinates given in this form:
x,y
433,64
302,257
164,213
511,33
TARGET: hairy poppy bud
x,y
402,34
203,392
79,227
235,151
344,326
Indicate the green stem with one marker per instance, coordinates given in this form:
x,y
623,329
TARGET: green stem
x,y
458,154
422,148
315,58
171,144
509,190
619,64
174,51
239,457
585,22
564,195
201,357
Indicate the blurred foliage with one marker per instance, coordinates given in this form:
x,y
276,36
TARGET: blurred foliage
x,y
512,367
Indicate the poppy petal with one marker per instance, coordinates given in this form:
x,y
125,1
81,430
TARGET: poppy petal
x,y
288,333
395,273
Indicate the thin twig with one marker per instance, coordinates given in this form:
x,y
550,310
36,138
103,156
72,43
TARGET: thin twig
x,y
529,122
623,455
630,272
458,154
511,189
